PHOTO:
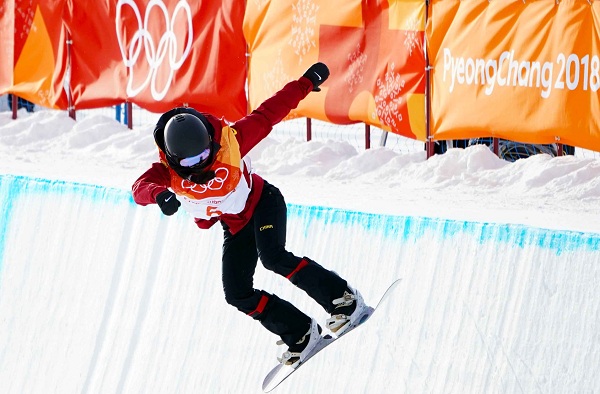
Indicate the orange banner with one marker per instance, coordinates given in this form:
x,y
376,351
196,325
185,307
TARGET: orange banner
x,y
38,63
159,54
374,50
525,71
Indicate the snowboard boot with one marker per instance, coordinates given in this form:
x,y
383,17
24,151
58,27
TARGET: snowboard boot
x,y
298,351
349,309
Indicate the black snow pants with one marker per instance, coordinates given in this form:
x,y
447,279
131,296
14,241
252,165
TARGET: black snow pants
x,y
264,237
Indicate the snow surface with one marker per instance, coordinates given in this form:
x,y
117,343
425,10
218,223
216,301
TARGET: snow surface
x,y
471,184
99,295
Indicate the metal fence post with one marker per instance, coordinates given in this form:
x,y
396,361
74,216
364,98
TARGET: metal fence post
x,y
13,103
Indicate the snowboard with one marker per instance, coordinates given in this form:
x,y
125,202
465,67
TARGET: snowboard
x,y
281,372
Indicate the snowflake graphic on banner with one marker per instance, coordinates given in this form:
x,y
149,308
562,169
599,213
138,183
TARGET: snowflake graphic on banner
x,y
357,61
304,21
411,37
276,77
388,98
26,12
44,97
260,3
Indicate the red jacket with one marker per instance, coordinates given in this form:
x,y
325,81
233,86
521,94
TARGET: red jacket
x,y
250,131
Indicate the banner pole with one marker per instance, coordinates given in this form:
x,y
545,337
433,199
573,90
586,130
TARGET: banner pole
x,y
71,107
383,139
129,114
559,146
428,142
13,103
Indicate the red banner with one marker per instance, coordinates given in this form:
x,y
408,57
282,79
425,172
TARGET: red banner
x,y
7,51
37,61
159,54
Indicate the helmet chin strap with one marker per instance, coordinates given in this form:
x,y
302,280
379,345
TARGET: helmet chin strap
x,y
202,177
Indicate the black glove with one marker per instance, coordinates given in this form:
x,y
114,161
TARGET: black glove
x,y
168,203
317,73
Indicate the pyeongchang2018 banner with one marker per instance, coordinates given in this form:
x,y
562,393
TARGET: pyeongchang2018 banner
x,y
527,71
159,54
374,50
37,63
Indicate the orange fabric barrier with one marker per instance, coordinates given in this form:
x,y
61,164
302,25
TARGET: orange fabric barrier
x,y
159,54
525,71
374,50
38,64
522,70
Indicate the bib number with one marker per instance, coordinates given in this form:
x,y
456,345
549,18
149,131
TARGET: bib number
x,y
213,211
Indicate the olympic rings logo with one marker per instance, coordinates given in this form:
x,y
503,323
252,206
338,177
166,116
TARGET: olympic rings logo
x,y
155,55
216,183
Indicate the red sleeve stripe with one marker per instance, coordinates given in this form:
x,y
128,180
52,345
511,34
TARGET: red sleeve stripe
x,y
303,263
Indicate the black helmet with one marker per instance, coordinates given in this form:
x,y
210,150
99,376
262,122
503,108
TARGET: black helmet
x,y
185,136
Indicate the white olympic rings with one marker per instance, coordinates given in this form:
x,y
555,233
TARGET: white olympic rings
x,y
154,55
216,183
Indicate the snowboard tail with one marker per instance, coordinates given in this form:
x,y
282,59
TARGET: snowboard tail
x,y
281,371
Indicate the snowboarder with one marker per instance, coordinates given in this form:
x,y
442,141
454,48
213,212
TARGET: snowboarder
x,y
204,169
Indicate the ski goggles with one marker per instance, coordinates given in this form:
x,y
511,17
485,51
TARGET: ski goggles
x,y
195,160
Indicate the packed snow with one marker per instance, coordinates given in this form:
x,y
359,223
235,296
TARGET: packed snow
x,y
500,265
470,184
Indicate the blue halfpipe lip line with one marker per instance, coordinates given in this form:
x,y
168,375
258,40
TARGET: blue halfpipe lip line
x,y
411,228
405,228
8,196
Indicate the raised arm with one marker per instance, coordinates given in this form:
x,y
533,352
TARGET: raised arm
x,y
258,124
